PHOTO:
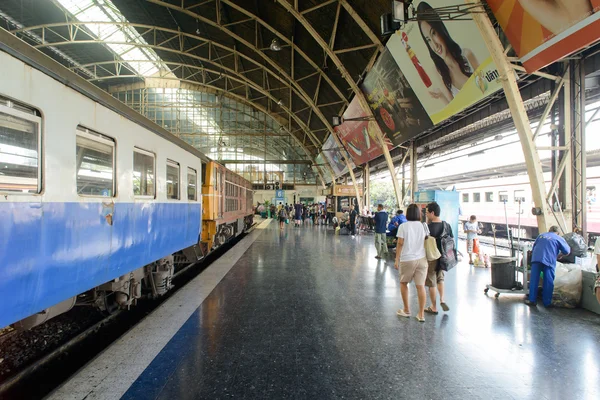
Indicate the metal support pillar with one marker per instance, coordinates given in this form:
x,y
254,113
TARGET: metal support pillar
x,y
564,140
403,182
579,183
390,165
414,181
519,114
367,185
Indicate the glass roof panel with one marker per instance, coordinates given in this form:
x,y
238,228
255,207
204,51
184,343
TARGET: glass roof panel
x,y
225,130
106,23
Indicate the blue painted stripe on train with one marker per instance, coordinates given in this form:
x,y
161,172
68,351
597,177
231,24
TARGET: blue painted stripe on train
x,y
52,251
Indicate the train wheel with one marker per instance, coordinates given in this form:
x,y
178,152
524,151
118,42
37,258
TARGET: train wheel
x,y
107,303
486,290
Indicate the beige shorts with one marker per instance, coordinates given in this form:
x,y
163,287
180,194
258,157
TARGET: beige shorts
x,y
413,270
433,277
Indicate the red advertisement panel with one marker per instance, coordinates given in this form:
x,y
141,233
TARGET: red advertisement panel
x,y
359,137
544,31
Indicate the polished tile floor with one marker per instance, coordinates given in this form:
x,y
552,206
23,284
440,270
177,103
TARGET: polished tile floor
x,y
305,314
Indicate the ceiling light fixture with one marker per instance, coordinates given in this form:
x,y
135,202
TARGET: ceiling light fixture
x,y
275,45
280,102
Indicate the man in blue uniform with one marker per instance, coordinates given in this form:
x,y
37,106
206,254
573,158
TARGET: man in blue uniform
x,y
380,218
545,250
396,221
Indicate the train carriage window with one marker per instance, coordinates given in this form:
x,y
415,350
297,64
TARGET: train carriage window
x,y
95,164
489,197
519,196
203,174
19,151
476,197
465,197
172,180
143,173
503,196
192,178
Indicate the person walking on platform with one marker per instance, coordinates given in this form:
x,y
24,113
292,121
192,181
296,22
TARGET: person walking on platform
x,y
352,218
282,217
472,231
435,275
380,218
411,259
298,214
546,248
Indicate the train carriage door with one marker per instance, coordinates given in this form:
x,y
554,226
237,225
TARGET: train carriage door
x,y
95,216
220,192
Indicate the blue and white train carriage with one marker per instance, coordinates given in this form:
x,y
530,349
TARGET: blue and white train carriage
x,y
94,199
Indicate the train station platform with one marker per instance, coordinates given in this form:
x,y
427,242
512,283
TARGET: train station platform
x,y
305,314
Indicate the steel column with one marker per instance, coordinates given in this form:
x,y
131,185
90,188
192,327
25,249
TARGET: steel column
x,y
579,183
367,185
414,180
519,114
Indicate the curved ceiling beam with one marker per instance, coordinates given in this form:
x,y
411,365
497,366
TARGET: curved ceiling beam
x,y
177,36
234,76
237,97
253,47
328,48
305,96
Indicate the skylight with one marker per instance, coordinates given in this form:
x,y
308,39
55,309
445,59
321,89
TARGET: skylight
x,y
144,61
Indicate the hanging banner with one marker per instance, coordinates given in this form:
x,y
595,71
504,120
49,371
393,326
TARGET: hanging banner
x,y
543,31
322,167
397,110
359,137
446,62
334,156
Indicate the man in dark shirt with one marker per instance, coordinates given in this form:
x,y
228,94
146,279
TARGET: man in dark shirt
x,y
435,275
353,215
381,218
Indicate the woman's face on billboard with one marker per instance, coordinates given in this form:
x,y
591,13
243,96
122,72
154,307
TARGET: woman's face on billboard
x,y
434,39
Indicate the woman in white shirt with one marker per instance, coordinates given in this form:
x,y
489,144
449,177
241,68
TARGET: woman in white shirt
x,y
411,260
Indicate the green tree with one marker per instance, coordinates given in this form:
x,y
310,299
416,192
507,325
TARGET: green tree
x,y
382,192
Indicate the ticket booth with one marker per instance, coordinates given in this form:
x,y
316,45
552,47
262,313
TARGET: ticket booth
x,y
340,198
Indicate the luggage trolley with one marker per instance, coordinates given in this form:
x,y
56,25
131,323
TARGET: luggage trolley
x,y
519,287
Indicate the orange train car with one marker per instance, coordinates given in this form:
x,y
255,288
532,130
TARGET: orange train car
x,y
226,206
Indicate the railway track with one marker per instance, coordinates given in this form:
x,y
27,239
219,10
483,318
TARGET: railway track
x,y
42,374
500,242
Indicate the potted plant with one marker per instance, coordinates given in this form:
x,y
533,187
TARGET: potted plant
x,y
267,206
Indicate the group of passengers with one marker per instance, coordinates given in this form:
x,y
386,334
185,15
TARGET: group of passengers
x,y
411,258
301,214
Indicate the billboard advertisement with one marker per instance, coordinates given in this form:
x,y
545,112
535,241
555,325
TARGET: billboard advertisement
x,y
446,63
544,31
359,137
397,109
334,156
322,167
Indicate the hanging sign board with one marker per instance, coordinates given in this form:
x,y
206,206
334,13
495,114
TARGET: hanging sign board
x,y
446,63
544,31
346,190
359,137
397,109
334,156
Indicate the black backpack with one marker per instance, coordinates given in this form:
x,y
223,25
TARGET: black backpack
x,y
448,260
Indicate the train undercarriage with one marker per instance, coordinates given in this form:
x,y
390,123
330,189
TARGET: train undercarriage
x,y
150,281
